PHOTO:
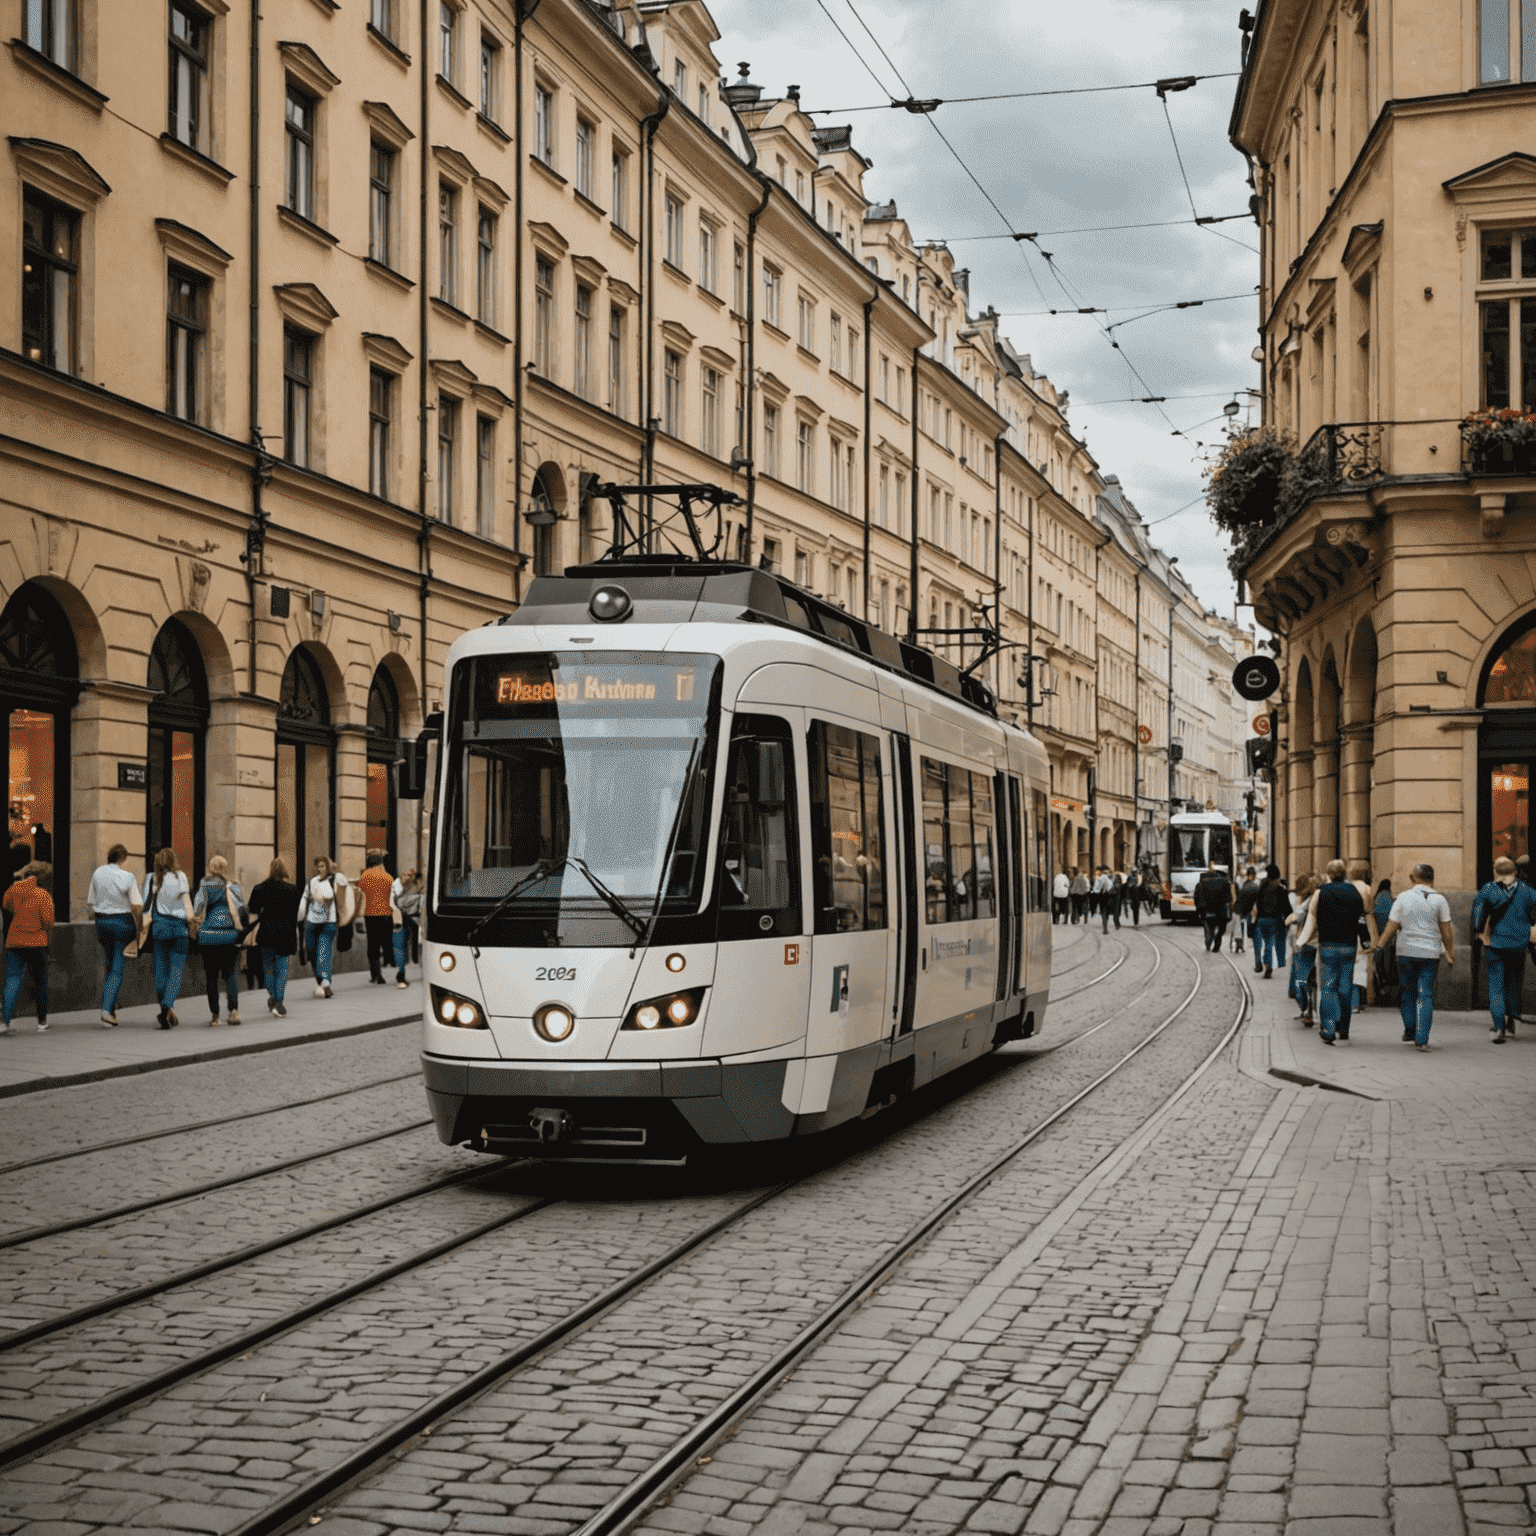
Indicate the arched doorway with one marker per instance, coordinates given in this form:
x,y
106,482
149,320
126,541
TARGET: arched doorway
x,y
1507,748
178,726
306,766
1358,748
383,748
1300,806
39,684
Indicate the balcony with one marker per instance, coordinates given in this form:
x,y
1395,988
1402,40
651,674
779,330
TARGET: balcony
x,y
1340,457
1499,443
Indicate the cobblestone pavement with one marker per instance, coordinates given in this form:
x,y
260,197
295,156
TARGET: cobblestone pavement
x,y
1271,1308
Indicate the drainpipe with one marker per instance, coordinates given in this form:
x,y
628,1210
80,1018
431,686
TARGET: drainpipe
x,y
1136,737
261,470
869,307
916,499
522,14
749,428
1029,619
997,558
424,529
649,126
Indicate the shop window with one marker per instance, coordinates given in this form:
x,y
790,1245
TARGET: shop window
x,y
39,672
383,748
306,766
178,725
847,829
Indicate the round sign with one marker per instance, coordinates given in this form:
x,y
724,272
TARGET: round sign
x,y
1261,725
1144,734
1256,678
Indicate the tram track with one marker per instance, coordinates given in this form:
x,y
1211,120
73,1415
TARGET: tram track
x,y
379,1449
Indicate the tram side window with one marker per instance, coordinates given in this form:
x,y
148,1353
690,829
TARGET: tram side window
x,y
1040,873
847,829
759,867
957,843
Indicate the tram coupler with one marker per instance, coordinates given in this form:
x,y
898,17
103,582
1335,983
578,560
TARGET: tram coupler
x,y
551,1125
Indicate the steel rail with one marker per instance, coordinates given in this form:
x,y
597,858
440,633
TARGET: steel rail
x,y
201,1125
297,1503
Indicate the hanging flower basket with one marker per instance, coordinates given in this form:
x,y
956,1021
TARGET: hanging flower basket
x,y
1500,442
1245,485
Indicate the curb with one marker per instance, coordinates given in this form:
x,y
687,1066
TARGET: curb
x,y
132,1069
1303,1080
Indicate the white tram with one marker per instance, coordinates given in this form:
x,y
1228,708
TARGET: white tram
x,y
1196,840
713,862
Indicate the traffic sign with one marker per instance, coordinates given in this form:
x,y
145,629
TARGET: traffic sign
x,y
1256,678
1261,725
1144,734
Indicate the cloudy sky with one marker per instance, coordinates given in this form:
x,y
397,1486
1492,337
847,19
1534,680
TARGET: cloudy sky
x,y
1060,163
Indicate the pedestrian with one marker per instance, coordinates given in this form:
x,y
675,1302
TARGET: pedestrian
x,y
274,904
118,908
1061,896
171,924
1271,906
1369,934
1336,911
1104,897
28,913
1303,957
219,908
1133,896
377,886
318,910
1384,970
1247,895
1503,916
1079,893
405,898
1420,921
1213,904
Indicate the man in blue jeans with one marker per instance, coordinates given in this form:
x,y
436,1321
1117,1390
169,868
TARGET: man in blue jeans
x,y
1504,913
1421,920
1335,920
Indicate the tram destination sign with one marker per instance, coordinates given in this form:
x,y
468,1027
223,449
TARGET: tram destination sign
x,y
1256,678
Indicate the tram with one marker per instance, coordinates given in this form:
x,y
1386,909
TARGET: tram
x,y
1196,840
713,862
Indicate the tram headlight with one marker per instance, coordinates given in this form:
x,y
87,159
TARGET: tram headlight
x,y
676,1010
554,1022
610,604
457,1012
447,960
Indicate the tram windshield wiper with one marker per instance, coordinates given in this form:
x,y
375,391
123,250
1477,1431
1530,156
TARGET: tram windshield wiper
x,y
643,935
542,869
615,904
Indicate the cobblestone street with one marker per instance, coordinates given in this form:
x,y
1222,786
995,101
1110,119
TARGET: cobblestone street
x,y
1254,1287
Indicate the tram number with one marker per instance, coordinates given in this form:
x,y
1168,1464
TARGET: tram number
x,y
555,973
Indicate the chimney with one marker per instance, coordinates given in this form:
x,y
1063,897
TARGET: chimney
x,y
742,95
793,92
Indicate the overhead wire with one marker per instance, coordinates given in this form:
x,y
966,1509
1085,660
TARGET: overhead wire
x,y
1178,155
911,104
1101,229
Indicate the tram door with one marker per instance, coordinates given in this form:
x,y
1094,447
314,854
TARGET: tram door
x,y
852,868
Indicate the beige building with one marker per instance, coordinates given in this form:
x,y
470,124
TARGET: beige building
x,y
329,321
1389,144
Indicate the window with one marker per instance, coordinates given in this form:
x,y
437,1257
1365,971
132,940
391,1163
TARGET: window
x,y
704,104
300,130
672,395
839,490
800,187
1508,317
901,504
805,463
835,342
771,440
709,427
544,317
673,223
381,17
381,203
298,365
490,76
883,499
447,40
485,266
770,554
853,355
585,136
188,74
957,843
759,841
52,28
620,197
709,257
885,378
773,295
807,323
781,171
739,278
50,277
544,125
582,381
1508,29
381,404
447,243
485,476
804,568
616,325
447,434
186,333
847,829
680,78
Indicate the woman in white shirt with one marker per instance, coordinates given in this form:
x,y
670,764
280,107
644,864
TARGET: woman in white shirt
x,y
169,903
322,896
119,910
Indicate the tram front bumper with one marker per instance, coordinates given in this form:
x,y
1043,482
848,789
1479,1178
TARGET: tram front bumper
x,y
644,1111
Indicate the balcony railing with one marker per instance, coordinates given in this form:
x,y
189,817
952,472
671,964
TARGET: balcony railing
x,y
1338,457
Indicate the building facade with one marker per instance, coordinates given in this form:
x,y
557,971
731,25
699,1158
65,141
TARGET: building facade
x,y
1389,144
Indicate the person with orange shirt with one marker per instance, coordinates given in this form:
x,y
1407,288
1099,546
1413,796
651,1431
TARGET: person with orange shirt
x,y
28,910
375,883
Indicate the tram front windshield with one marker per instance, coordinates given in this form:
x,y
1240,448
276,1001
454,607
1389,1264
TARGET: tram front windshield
x,y
569,777
1200,847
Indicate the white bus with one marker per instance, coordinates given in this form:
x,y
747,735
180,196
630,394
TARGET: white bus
x,y
1196,840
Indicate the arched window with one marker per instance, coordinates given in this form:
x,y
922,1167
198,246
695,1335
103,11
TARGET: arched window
x,y
39,683
548,495
306,766
178,725
1507,747
383,748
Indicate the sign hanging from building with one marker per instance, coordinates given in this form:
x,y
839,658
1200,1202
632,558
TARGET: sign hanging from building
x,y
1144,734
1261,725
1256,678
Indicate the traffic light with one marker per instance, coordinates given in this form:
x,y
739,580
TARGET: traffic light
x,y
1261,755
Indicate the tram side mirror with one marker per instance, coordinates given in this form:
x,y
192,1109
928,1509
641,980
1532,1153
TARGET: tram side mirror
x,y
414,762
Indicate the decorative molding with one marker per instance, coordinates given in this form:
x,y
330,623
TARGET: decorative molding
x,y
453,374
549,237
308,67
589,270
382,119
621,290
724,361
678,335
385,351
491,400
492,194
455,163
56,75
191,248
810,408
59,171
196,159
305,305
1362,247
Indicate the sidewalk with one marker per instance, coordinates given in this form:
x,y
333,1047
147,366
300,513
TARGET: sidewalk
x,y
77,1049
